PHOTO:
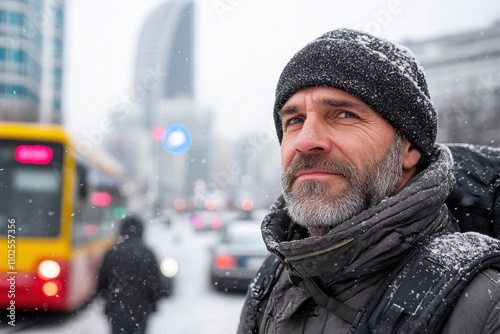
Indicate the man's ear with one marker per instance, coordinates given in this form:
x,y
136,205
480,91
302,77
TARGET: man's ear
x,y
411,155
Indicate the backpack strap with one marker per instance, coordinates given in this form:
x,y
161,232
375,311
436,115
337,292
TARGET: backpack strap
x,y
259,291
421,293
341,310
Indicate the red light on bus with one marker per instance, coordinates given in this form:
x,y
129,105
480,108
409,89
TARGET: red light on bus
x,y
100,198
33,154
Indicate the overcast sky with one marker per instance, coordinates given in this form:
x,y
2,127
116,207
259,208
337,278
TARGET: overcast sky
x,y
241,47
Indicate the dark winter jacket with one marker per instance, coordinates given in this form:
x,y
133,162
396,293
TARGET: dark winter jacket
x,y
350,262
129,278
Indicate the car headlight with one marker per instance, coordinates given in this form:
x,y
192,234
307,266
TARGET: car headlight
x,y
169,267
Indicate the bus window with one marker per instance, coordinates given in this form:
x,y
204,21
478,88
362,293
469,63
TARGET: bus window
x,y
93,213
36,181
30,188
36,201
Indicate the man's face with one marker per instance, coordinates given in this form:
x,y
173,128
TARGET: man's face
x,y
339,157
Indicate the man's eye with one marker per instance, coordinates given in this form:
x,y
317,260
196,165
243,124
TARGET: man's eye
x,y
293,120
347,114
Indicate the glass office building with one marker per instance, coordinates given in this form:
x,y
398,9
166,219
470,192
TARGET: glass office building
x,y
31,60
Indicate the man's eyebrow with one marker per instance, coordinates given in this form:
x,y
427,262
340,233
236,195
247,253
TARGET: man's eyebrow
x,y
339,103
288,110
293,109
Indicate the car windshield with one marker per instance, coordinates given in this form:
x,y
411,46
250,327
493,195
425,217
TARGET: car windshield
x,y
244,235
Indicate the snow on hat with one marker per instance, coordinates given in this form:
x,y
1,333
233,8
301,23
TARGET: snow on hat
x,y
384,75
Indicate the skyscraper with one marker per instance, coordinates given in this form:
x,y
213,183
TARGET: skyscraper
x,y
165,63
164,91
31,60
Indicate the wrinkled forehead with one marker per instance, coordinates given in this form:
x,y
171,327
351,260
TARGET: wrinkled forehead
x,y
323,96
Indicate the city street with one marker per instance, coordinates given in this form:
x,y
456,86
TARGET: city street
x,y
370,129
194,307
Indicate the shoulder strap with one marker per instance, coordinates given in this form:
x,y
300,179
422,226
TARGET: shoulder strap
x,y
420,295
264,281
259,291
341,310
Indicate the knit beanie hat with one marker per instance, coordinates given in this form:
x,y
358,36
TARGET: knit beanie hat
x,y
131,226
384,75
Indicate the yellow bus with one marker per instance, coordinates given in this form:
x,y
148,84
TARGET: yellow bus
x,y
58,215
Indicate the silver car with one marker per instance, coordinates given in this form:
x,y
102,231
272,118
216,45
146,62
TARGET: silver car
x,y
238,256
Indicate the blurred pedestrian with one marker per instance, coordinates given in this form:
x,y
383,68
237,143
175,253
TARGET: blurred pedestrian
x,y
130,280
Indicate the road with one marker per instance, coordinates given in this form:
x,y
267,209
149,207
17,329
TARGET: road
x,y
194,307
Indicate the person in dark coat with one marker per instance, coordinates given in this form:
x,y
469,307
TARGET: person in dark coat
x,y
130,280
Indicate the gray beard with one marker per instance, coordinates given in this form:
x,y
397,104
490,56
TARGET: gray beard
x,y
310,204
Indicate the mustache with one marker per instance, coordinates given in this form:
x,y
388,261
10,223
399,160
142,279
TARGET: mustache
x,y
317,161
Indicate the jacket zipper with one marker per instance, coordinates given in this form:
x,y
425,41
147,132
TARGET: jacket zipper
x,y
319,252
268,322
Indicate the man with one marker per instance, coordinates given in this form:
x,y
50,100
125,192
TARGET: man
x,y
363,185
130,280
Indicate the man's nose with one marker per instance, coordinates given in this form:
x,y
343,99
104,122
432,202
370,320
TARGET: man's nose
x,y
313,137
